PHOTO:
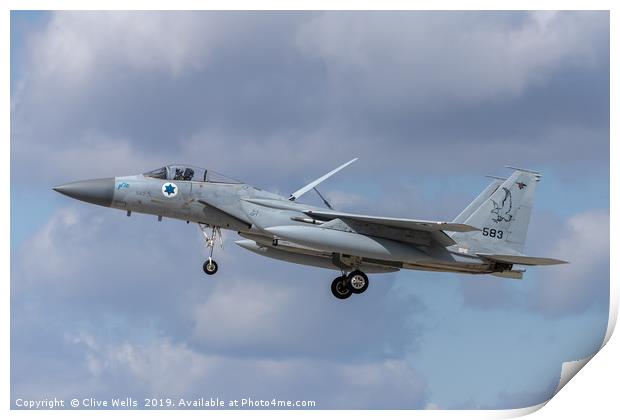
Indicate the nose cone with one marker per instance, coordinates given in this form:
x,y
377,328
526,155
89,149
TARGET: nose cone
x,y
96,191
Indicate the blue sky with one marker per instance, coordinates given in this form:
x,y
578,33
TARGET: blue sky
x,y
430,102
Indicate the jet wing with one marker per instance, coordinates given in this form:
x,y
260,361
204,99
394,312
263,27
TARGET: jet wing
x,y
423,225
420,232
521,259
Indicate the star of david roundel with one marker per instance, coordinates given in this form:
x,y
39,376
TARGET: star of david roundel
x,y
169,189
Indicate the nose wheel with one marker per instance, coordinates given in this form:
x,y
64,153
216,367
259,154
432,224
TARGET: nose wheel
x,y
210,266
356,282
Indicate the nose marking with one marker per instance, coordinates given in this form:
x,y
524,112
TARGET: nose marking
x,y
95,191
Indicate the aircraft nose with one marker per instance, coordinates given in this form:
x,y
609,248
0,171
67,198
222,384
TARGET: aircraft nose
x,y
95,191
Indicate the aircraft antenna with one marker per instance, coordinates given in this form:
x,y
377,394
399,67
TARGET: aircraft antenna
x,y
323,198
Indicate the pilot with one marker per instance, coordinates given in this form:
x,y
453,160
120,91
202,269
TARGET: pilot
x,y
178,174
189,174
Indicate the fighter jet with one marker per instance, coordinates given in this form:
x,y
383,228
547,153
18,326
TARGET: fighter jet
x,y
487,237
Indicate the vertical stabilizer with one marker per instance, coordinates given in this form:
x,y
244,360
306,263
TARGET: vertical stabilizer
x,y
484,195
503,217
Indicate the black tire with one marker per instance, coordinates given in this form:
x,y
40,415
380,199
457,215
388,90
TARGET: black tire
x,y
210,267
355,279
340,289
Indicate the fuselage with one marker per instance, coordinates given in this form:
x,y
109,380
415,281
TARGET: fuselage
x,y
270,224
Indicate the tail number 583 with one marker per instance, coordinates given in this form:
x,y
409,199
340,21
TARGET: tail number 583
x,y
493,233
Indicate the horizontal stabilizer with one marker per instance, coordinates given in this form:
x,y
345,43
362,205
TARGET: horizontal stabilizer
x,y
424,225
521,259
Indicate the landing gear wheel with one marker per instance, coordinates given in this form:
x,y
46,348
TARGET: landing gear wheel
x,y
357,282
340,289
210,267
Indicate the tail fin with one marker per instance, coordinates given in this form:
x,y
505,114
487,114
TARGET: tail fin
x,y
484,195
502,217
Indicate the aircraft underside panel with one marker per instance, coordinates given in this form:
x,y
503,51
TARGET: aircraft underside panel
x,y
317,260
450,268
346,262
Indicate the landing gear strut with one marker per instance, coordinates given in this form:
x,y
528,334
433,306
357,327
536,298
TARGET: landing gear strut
x,y
210,266
345,285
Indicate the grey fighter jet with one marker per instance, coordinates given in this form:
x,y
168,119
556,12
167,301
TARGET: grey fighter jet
x,y
486,238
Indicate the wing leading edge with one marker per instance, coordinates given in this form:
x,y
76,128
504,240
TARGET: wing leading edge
x,y
412,224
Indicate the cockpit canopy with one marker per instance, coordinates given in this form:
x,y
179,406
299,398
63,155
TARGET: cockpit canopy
x,y
189,173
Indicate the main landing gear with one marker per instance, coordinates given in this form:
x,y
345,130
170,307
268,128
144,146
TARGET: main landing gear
x,y
345,285
210,266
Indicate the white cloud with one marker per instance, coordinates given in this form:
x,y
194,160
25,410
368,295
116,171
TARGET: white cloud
x,y
145,87
78,45
129,294
574,287
161,367
568,289
260,319
52,260
406,59
108,93
93,155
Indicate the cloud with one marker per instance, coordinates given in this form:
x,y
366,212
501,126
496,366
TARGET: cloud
x,y
154,369
276,99
392,88
488,292
584,282
407,86
95,156
279,319
494,57
127,297
528,398
76,45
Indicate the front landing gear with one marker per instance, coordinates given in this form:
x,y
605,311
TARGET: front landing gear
x,y
210,266
344,286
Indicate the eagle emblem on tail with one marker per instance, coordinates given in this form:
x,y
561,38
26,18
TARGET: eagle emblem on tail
x,y
503,208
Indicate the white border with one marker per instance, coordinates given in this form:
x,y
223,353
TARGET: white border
x,y
594,392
